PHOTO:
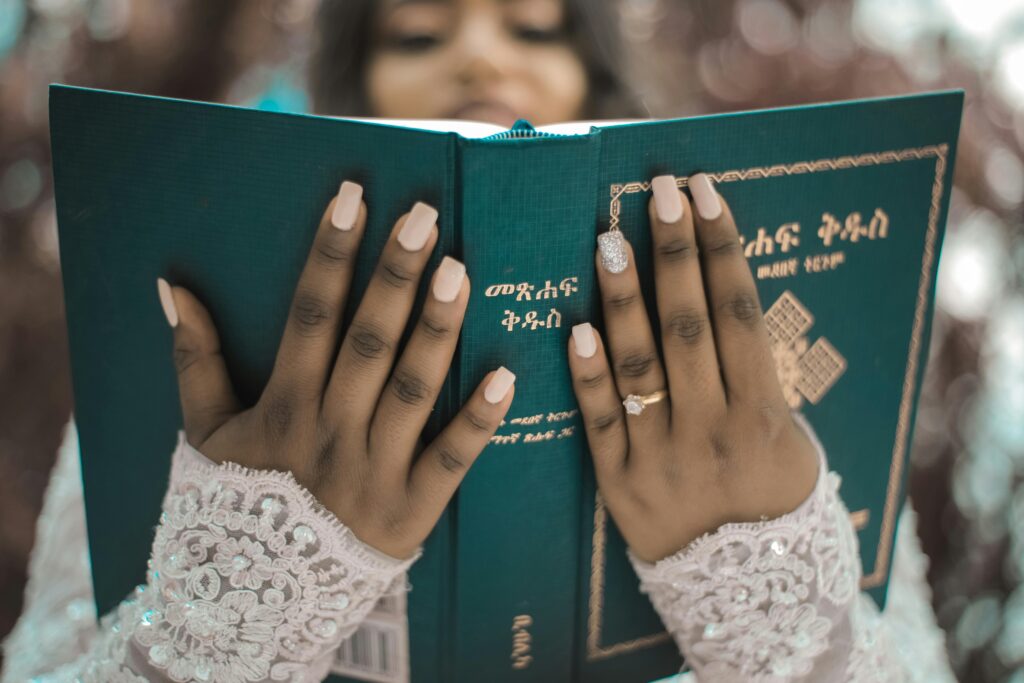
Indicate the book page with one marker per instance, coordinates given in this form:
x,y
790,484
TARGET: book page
x,y
480,129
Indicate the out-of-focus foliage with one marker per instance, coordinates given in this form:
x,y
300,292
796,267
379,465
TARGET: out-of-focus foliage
x,y
688,57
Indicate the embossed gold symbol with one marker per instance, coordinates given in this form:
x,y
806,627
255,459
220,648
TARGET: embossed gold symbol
x,y
521,656
804,373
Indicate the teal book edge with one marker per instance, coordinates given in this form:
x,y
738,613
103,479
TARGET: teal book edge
x,y
842,210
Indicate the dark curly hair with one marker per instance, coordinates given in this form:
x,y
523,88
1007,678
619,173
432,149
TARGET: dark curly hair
x,y
341,46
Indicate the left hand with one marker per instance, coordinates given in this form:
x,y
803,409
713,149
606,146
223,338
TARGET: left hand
x,y
723,445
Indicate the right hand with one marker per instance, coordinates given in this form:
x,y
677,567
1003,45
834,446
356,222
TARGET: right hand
x,y
348,427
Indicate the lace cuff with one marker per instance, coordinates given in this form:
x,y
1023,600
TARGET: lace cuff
x,y
250,578
768,601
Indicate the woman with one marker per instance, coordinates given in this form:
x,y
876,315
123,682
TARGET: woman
x,y
286,521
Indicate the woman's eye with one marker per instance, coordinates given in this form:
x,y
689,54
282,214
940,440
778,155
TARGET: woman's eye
x,y
414,42
535,34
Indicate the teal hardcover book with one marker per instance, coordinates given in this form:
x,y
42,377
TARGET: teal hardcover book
x,y
841,208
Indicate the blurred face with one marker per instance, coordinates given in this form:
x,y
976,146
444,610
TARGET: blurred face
x,y
485,60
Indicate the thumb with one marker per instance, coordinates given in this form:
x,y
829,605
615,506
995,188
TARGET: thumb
x,y
207,397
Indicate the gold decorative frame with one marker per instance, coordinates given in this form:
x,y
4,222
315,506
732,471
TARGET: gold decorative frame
x,y
595,650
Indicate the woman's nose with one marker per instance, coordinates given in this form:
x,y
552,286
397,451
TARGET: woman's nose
x,y
483,50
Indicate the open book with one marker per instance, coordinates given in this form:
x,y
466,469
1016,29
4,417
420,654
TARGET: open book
x,y
841,207
483,129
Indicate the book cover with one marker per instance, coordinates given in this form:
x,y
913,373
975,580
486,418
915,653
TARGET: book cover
x,y
841,207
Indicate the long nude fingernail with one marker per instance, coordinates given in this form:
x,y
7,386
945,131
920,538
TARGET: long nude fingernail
x,y
586,343
346,207
705,196
668,203
416,231
499,385
167,301
448,281
612,246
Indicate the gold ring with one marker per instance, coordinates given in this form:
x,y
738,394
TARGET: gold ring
x,y
635,403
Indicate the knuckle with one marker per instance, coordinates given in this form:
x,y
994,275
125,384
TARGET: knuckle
x,y
434,329
409,388
688,325
476,423
323,454
392,522
722,448
185,357
671,470
278,416
725,246
367,342
621,300
676,250
448,458
606,423
593,381
311,314
742,307
394,274
635,364
331,255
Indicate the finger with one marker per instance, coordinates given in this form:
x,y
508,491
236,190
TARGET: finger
x,y
441,467
691,362
635,362
308,344
604,418
741,336
204,388
414,385
369,348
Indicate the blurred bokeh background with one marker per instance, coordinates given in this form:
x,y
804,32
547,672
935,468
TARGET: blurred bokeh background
x,y
686,57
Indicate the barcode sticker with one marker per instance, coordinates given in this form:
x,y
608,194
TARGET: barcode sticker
x,y
379,649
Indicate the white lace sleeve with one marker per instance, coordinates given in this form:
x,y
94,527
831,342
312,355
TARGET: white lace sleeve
x,y
58,619
250,579
775,601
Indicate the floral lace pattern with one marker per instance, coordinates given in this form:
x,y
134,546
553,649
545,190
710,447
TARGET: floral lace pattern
x,y
56,638
250,579
770,601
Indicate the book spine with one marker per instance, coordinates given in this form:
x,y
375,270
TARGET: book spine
x,y
527,209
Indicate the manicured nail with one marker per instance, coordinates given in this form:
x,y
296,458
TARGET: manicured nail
x,y
708,205
416,231
346,208
448,281
612,246
668,203
586,343
499,385
167,301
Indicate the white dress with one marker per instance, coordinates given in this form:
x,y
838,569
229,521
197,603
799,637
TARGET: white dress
x,y
251,579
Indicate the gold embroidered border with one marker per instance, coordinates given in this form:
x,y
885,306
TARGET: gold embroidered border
x,y
595,650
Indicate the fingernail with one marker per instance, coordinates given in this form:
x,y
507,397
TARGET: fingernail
x,y
586,343
448,281
612,246
499,385
705,196
346,208
668,203
167,301
416,231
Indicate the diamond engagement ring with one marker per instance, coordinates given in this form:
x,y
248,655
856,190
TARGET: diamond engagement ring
x,y
635,404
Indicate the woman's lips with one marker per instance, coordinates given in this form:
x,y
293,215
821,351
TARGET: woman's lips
x,y
494,112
